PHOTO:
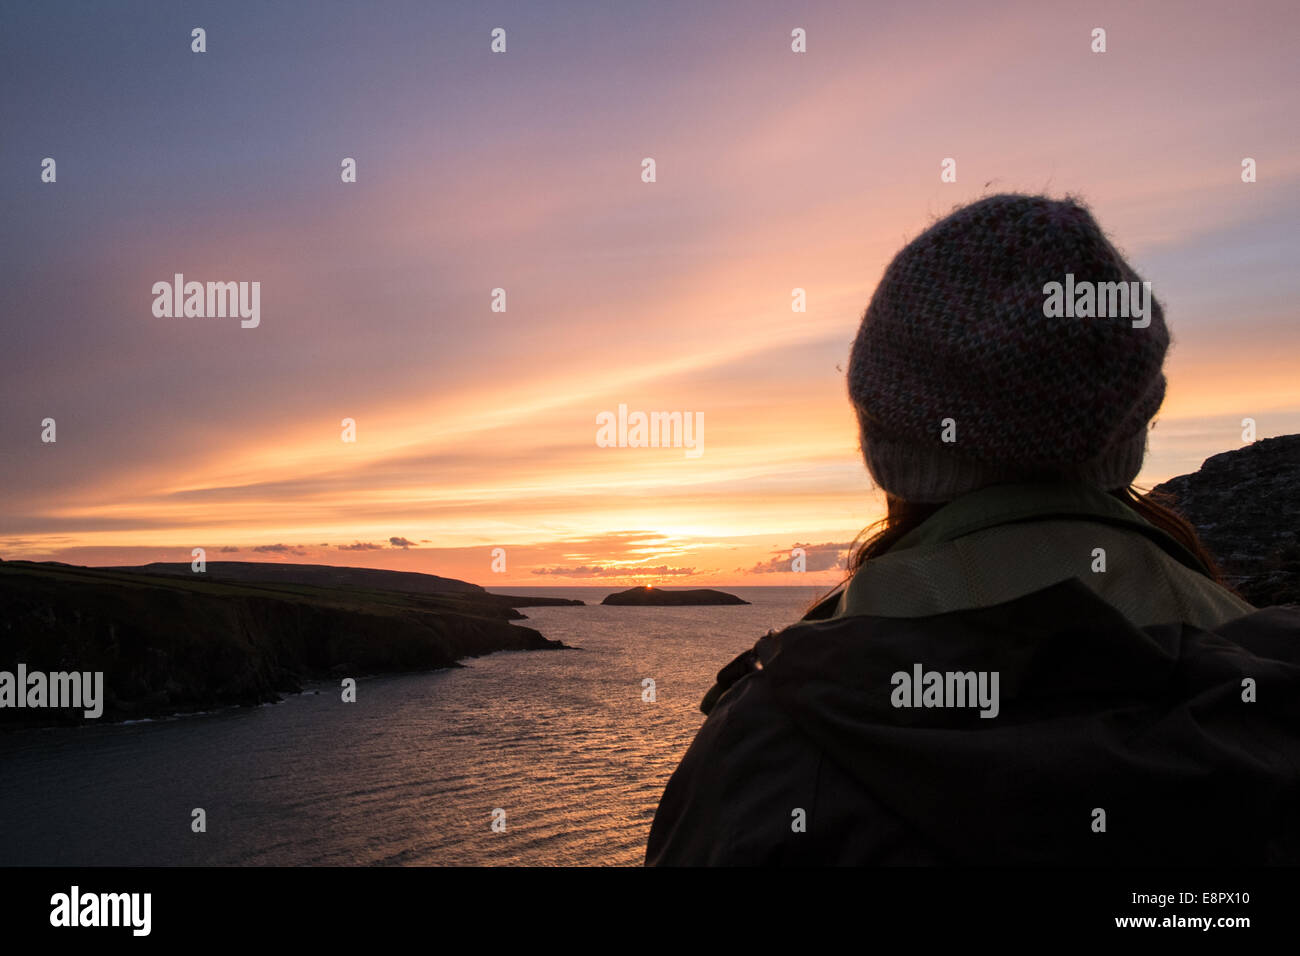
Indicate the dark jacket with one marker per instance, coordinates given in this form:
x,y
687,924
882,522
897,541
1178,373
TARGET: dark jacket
x,y
1152,720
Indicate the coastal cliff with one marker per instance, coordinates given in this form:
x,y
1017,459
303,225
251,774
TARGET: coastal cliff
x,y
171,643
1245,506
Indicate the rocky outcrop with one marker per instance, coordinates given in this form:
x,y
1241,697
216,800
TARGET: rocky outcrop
x,y
1245,505
169,644
647,596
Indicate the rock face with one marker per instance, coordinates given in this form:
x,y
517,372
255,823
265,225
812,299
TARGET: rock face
x,y
645,597
1245,505
170,644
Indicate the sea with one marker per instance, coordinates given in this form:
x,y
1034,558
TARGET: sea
x,y
519,758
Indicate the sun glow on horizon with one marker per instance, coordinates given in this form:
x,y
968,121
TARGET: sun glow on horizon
x,y
476,429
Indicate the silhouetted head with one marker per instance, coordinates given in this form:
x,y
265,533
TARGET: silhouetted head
x,y
1010,341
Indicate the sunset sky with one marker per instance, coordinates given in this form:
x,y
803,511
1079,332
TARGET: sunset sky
x,y
476,429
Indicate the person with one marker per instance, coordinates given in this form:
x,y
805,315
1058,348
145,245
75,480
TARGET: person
x,y
1031,662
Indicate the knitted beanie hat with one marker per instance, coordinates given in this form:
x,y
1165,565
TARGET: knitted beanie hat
x,y
968,372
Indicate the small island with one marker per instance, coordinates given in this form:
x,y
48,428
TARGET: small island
x,y
658,597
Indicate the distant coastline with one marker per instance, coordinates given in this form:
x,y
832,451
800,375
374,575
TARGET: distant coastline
x,y
169,641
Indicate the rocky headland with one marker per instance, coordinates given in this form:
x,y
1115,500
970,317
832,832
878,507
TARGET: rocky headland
x,y
1245,506
171,641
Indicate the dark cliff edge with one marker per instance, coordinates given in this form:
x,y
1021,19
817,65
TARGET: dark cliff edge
x,y
171,644
372,579
1245,506
658,597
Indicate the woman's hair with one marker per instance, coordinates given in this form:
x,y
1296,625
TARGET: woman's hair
x,y
1164,517
903,516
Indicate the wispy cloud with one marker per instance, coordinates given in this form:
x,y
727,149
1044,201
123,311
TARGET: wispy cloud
x,y
615,571
476,429
277,549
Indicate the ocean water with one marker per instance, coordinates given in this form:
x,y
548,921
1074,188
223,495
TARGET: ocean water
x,y
411,773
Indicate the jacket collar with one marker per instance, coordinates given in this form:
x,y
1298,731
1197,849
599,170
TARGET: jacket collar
x,y
1013,503
1031,501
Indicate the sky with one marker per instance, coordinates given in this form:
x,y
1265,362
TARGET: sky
x,y
476,429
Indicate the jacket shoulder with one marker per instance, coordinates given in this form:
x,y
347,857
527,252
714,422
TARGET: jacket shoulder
x,y
753,789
